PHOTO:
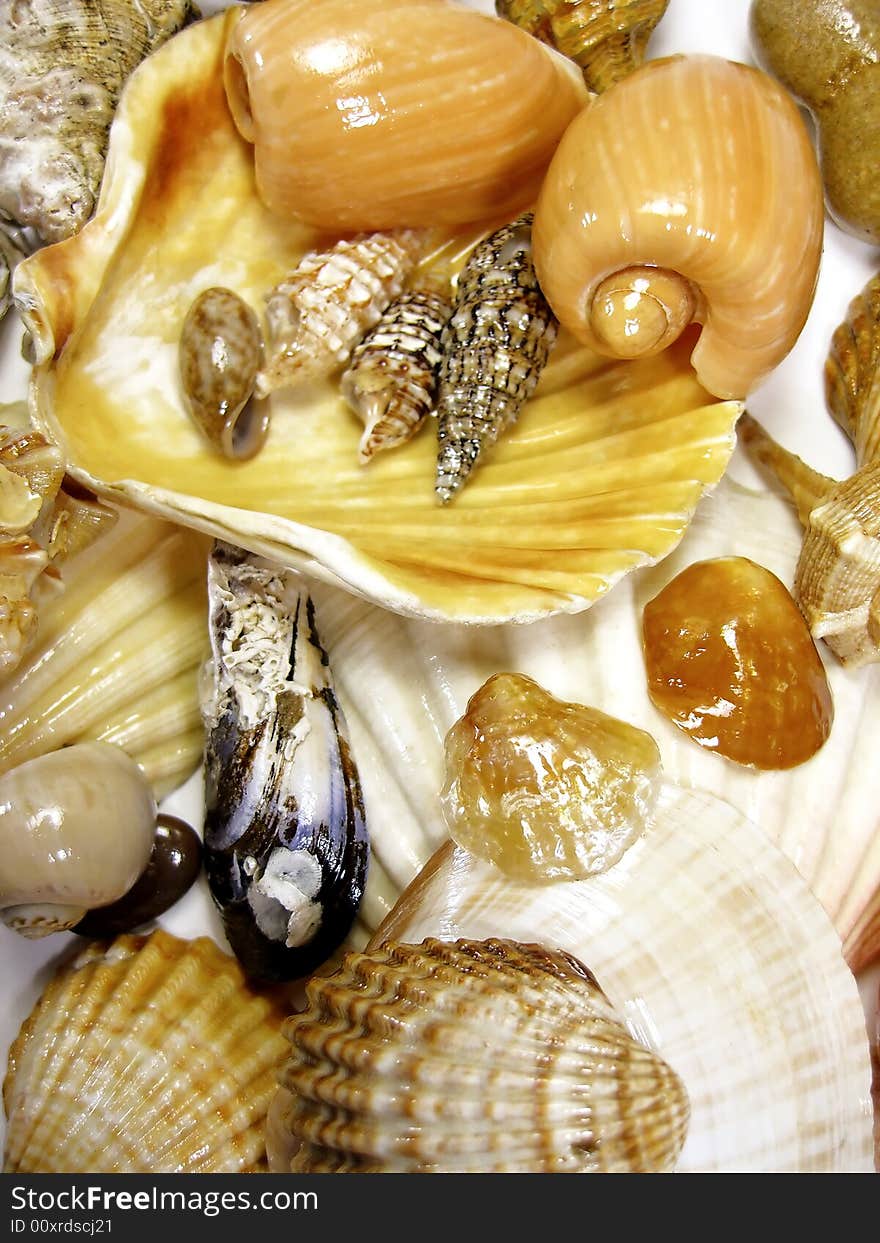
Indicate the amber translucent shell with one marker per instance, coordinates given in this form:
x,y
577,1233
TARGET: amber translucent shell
x,y
730,661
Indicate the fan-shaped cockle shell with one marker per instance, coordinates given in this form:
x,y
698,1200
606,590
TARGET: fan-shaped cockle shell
x,y
488,1056
403,683
687,222
605,38
600,474
143,1055
116,654
350,133
712,950
837,583
62,66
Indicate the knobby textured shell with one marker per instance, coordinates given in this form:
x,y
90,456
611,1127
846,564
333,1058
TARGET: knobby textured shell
x,y
688,191
143,1055
712,950
601,473
486,1056
351,131
403,683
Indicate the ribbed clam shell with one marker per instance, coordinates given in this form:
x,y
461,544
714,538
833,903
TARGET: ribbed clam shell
x,y
143,1055
403,684
62,66
709,945
116,655
600,474
487,1056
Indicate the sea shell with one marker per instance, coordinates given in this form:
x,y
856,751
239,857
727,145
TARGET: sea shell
x,y
403,683
391,381
76,831
144,1055
487,1056
605,38
62,66
709,235
9,257
838,574
349,134
713,952
495,345
827,55
600,473
116,655
286,847
318,314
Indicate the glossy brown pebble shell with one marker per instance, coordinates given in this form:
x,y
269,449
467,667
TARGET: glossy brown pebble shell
x,y
172,869
731,662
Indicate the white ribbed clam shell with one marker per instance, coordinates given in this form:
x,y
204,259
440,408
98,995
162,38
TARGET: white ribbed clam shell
x,y
706,941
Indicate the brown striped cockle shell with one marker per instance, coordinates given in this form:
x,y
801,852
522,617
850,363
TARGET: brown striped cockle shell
x,y
687,192
490,1056
350,131
144,1055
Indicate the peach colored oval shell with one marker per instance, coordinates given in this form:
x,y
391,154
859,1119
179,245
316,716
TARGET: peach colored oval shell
x,y
601,474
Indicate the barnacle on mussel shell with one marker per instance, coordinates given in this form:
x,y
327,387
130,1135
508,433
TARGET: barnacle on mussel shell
x,y
286,845
710,236
837,582
350,134
146,1054
605,38
489,1056
62,66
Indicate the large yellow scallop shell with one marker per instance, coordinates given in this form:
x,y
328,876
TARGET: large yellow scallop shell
x,y
600,475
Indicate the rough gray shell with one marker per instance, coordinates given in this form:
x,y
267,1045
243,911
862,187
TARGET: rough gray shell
x,y
63,64
286,845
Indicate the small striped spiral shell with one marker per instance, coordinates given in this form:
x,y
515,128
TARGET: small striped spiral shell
x,y
392,379
489,1056
495,346
687,192
321,311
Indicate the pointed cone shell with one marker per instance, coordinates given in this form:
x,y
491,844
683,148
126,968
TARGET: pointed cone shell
x,y
600,474
474,1056
144,1055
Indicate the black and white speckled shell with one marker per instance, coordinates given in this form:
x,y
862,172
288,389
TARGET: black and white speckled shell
x,y
286,846
495,346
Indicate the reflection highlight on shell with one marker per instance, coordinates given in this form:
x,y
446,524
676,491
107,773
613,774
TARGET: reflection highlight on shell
x,y
704,220
143,1055
489,1055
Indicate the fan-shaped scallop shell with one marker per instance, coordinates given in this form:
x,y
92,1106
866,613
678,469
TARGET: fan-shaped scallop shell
x,y
601,473
145,1054
488,1056
710,947
117,654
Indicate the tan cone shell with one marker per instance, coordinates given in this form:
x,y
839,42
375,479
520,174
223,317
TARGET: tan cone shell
x,y
144,1055
490,1056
